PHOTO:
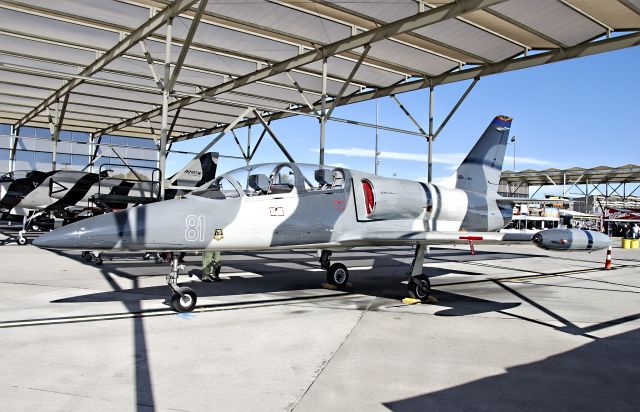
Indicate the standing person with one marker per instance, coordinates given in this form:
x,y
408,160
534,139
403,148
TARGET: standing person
x,y
635,231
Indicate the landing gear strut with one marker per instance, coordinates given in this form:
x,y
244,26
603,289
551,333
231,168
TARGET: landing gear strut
x,y
183,299
337,273
418,286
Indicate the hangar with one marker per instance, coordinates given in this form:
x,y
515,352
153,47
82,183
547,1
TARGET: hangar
x,y
144,74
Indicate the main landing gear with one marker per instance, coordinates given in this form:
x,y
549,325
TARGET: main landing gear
x,y
183,299
337,273
419,286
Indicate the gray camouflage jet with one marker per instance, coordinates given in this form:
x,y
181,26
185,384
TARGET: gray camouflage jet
x,y
288,205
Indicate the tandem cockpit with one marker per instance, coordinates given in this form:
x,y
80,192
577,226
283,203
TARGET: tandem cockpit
x,y
275,179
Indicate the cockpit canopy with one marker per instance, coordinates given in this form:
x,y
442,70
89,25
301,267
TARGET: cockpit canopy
x,y
273,179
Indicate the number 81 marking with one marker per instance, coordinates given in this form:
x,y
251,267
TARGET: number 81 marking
x,y
195,228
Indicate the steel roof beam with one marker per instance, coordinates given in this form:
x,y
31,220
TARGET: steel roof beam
x,y
186,44
580,50
426,18
116,51
346,83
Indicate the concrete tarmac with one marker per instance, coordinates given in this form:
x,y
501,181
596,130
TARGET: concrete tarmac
x,y
514,328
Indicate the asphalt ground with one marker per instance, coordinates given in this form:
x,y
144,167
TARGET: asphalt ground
x,y
514,328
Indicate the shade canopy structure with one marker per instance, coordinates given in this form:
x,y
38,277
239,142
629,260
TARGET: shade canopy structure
x,y
187,68
576,175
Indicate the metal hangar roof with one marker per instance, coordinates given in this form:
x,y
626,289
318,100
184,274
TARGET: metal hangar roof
x,y
103,66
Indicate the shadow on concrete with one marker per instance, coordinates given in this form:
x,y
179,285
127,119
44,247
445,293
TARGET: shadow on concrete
x,y
603,375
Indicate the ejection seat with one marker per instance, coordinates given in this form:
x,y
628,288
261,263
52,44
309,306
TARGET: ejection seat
x,y
324,177
259,183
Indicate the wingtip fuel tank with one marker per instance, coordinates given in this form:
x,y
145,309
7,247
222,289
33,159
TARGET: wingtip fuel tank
x,y
570,239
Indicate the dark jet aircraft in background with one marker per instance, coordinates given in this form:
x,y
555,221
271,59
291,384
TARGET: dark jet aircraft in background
x,y
290,205
34,193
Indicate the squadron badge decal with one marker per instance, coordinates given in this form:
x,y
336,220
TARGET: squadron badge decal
x,y
218,235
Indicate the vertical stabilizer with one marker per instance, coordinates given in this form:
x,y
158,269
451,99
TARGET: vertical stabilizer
x,y
480,170
198,172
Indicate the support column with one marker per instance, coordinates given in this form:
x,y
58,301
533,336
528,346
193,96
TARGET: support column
x,y
12,151
430,138
377,153
323,109
165,109
248,158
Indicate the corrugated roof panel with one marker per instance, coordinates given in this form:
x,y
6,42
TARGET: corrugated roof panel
x,y
412,58
38,49
611,12
98,90
209,107
252,101
197,58
273,92
23,62
282,18
233,40
28,79
56,30
366,75
380,10
35,92
310,83
553,19
469,38
110,11
126,105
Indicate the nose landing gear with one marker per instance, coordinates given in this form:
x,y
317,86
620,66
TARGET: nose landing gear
x,y
183,299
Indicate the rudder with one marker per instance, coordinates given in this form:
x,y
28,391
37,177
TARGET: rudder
x,y
480,170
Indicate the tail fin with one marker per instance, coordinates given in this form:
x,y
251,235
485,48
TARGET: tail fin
x,y
198,172
480,170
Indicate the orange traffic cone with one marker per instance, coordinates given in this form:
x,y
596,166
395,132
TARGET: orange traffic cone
x,y
607,263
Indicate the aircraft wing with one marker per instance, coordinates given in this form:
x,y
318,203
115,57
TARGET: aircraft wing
x,y
439,238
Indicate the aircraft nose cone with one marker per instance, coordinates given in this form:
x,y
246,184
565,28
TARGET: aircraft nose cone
x,y
99,232
67,237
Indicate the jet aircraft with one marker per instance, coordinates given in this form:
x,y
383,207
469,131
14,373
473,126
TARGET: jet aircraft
x,y
289,205
24,192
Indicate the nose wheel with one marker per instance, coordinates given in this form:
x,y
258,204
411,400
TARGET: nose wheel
x,y
183,299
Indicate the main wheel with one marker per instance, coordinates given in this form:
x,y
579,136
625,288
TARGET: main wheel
x,y
22,241
338,275
419,287
184,303
86,256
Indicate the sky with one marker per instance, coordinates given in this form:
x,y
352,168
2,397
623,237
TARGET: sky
x,y
583,112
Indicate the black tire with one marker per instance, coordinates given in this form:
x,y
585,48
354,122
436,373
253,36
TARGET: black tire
x,y
22,241
146,256
419,287
98,261
186,303
86,256
337,275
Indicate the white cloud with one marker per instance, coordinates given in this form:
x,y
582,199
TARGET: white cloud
x,y
450,159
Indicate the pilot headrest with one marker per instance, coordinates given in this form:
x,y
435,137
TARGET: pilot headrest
x,y
323,176
259,182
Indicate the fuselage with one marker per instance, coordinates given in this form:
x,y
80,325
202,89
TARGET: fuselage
x,y
303,211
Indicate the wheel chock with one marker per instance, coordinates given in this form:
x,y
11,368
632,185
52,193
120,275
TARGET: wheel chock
x,y
411,301
329,286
